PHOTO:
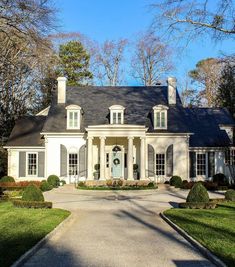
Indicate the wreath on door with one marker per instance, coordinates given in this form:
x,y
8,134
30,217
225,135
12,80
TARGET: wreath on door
x,y
116,161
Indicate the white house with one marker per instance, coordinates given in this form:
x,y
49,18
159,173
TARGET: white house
x,y
117,127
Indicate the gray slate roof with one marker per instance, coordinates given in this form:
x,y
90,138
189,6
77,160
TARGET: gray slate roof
x,y
26,132
138,103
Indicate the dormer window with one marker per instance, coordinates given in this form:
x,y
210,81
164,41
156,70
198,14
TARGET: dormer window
x,y
73,117
116,114
160,117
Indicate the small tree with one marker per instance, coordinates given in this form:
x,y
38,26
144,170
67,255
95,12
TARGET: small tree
x,y
74,63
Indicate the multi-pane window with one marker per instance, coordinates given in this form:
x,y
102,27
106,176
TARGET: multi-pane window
x,y
117,117
32,163
160,164
107,160
160,119
73,120
201,164
73,164
230,157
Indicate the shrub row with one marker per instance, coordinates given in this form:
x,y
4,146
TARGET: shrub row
x,y
32,204
21,184
5,179
197,205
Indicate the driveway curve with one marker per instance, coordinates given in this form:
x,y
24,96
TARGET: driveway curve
x,y
116,229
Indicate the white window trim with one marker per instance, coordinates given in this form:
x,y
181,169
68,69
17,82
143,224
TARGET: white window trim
x,y
156,109
74,108
206,175
155,165
116,109
27,170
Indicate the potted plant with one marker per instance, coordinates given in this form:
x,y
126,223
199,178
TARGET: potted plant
x,y
135,171
97,171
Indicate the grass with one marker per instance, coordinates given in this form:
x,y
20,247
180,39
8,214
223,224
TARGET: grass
x,y
215,229
21,229
110,188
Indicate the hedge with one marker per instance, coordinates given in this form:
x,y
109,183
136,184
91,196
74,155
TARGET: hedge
x,y
45,186
176,181
230,195
53,180
32,204
198,194
21,184
198,205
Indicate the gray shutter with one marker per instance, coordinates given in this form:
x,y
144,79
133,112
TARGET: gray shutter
x,y
211,164
82,161
192,160
63,160
150,161
41,164
22,164
169,161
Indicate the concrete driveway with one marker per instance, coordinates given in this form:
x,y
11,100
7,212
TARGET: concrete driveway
x,y
121,228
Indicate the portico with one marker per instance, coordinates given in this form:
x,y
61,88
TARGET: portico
x,y
116,148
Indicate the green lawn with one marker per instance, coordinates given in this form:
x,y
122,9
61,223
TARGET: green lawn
x,y
215,229
20,229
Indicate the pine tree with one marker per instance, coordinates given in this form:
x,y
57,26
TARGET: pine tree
x,y
74,63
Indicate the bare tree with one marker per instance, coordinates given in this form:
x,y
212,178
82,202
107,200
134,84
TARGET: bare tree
x,y
25,55
196,17
151,59
107,62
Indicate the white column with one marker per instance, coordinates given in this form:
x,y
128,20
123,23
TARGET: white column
x,y
130,158
142,158
90,159
102,158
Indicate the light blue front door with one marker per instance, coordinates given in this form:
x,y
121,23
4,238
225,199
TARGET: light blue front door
x,y
117,165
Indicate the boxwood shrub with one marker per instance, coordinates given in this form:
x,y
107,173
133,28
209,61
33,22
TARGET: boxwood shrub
x,y
220,179
45,186
198,193
230,195
32,193
32,204
7,179
176,181
53,180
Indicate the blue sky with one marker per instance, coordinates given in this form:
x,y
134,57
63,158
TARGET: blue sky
x,y
114,19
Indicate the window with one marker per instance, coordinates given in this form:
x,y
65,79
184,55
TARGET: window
x,y
160,117
230,157
160,164
73,117
32,164
201,164
73,164
116,114
107,160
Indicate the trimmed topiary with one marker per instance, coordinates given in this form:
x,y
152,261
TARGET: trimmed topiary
x,y
45,186
220,179
53,180
32,193
7,179
230,195
176,181
197,194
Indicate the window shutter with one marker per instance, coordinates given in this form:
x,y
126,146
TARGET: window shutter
x,y
169,161
211,164
192,160
41,164
150,161
82,161
63,160
22,164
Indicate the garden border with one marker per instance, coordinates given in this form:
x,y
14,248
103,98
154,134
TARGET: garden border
x,y
28,254
206,252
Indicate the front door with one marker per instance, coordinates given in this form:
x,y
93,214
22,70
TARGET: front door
x,y
117,165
